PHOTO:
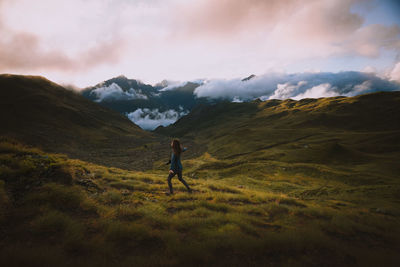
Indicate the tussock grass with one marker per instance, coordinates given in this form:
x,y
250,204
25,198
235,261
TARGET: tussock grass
x,y
107,216
57,196
55,224
130,234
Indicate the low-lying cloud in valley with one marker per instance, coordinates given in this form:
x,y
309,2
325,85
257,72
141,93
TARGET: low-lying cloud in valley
x,y
296,86
149,119
115,92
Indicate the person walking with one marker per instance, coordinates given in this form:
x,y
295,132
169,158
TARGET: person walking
x,y
176,165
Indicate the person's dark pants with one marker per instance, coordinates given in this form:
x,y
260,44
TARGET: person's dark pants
x,y
180,179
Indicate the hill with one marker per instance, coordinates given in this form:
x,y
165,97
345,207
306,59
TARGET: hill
x,y
344,132
43,114
313,182
55,211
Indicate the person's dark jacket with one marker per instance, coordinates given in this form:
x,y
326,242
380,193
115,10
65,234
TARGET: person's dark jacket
x,y
175,161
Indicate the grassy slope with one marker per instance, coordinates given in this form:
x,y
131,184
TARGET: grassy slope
x,y
345,134
302,191
58,211
41,113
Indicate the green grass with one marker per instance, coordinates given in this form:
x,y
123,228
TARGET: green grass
x,y
97,215
275,183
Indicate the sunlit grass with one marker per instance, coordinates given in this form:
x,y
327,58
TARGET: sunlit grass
x,y
90,214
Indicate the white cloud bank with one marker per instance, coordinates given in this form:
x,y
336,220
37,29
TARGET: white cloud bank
x,y
395,73
149,119
173,85
115,92
297,86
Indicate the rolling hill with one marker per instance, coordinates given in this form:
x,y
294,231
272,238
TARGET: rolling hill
x,y
43,114
313,182
348,132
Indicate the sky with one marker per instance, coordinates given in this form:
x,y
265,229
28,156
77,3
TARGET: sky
x,y
84,42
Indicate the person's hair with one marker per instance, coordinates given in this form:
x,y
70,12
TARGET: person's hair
x,y
176,147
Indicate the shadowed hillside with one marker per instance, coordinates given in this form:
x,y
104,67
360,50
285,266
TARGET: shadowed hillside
x,y
313,182
44,114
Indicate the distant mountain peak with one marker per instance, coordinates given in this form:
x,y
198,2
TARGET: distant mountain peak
x,y
248,78
162,84
121,77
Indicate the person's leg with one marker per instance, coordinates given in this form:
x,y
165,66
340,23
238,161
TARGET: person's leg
x,y
183,181
169,182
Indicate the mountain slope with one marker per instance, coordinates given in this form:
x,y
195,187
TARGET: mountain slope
x,y
352,133
285,183
164,100
41,113
126,95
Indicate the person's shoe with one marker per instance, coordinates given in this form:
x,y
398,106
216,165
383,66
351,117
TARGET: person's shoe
x,y
190,191
169,193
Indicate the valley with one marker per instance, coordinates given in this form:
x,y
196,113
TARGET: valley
x,y
276,183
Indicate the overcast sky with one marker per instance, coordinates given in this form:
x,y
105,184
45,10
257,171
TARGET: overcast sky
x,y
83,42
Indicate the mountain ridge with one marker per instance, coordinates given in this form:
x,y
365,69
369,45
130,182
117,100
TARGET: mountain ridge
x,y
340,132
41,113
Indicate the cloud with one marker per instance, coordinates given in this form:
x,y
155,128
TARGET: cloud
x,y
24,51
365,87
287,28
369,40
115,92
237,100
87,41
173,85
286,90
369,69
296,86
29,44
149,119
322,90
225,18
236,88
395,73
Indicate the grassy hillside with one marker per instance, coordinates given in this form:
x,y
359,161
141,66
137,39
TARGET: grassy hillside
x,y
359,135
313,182
60,212
44,114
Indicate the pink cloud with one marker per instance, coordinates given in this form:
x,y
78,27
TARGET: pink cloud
x,y
307,28
27,50
23,51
